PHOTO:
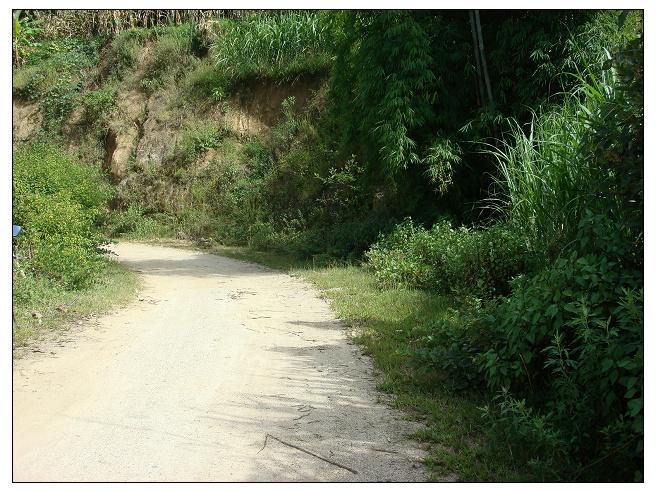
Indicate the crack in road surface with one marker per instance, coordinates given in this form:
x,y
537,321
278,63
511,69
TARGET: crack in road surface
x,y
189,389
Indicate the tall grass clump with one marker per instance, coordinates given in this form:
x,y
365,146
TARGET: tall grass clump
x,y
547,172
277,46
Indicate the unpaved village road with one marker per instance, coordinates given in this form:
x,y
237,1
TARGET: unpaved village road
x,y
187,383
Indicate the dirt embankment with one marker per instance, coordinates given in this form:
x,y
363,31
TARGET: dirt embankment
x,y
145,129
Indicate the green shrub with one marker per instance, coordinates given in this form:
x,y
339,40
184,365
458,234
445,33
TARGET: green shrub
x,y
126,220
25,34
56,201
461,261
99,101
55,76
197,221
43,169
262,237
60,240
133,222
446,348
258,156
532,439
196,138
347,239
97,105
570,341
124,52
169,57
28,80
205,82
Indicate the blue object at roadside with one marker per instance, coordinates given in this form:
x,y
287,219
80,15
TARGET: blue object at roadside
x,y
16,230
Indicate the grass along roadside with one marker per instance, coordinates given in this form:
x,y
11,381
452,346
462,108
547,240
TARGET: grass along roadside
x,y
382,322
56,308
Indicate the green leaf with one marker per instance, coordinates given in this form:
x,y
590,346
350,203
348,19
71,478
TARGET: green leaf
x,y
635,406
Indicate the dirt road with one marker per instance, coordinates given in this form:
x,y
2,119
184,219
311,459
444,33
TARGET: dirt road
x,y
222,371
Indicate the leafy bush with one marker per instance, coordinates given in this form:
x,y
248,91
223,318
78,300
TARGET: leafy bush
x,y
448,260
258,156
57,200
60,241
346,240
570,341
43,169
55,75
204,82
531,438
133,222
25,32
124,51
97,105
126,220
196,138
169,56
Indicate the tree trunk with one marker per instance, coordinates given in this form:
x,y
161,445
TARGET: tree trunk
x,y
479,78
483,61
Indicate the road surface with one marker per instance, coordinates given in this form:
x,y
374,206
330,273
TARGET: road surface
x,y
221,370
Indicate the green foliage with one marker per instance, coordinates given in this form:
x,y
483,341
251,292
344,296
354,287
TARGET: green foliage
x,y
446,348
284,132
60,241
98,102
24,34
56,201
582,48
548,174
532,439
54,75
127,220
567,344
169,57
460,261
258,156
405,84
135,223
123,53
545,285
196,138
383,79
43,169
569,340
205,82
440,160
97,106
